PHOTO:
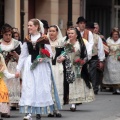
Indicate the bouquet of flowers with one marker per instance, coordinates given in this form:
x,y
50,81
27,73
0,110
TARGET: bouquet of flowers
x,y
118,55
43,54
69,48
78,66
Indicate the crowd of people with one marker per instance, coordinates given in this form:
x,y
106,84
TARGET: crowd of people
x,y
47,70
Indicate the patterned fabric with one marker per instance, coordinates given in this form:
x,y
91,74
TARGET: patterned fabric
x,y
13,84
112,64
80,93
112,71
78,90
70,75
36,110
3,92
4,108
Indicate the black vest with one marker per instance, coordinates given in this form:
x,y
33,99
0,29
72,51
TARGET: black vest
x,y
34,51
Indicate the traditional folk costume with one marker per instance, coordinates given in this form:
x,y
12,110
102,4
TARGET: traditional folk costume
x,y
11,63
57,48
112,65
97,55
86,34
79,90
4,95
36,84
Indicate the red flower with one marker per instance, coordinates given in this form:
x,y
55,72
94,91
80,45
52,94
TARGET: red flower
x,y
45,52
79,61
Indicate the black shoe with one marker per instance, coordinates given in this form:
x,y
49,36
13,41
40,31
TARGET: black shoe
x,y
95,92
58,115
1,119
38,116
5,115
50,115
116,93
78,103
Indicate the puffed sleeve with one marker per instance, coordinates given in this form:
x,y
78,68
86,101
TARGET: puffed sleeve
x,y
101,53
90,40
24,54
4,68
88,48
8,75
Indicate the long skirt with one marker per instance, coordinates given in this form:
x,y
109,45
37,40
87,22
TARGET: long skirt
x,y
4,98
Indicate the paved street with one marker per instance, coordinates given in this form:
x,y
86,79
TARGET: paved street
x,y
105,107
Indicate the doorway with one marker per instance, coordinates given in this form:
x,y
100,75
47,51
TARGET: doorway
x,y
106,14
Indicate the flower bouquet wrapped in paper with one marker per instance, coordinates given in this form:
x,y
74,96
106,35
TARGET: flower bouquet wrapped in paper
x,y
78,66
118,56
69,48
43,54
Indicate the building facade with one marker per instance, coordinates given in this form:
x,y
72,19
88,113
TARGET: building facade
x,y
60,12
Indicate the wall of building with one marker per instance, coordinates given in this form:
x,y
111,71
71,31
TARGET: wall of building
x,y
56,12
12,13
25,17
63,15
43,10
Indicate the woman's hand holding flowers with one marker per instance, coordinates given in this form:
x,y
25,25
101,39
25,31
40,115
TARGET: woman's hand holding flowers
x,y
60,59
41,60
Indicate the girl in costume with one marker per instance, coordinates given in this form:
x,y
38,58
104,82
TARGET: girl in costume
x,y
112,64
56,42
4,95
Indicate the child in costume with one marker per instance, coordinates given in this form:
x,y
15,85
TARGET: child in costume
x,y
4,97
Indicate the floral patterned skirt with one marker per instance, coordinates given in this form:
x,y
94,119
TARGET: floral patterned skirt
x,y
13,85
5,108
79,92
4,98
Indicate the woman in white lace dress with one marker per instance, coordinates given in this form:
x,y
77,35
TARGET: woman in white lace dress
x,y
10,48
4,96
80,90
112,64
56,42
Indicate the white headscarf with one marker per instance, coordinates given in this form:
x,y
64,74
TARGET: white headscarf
x,y
59,35
41,27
